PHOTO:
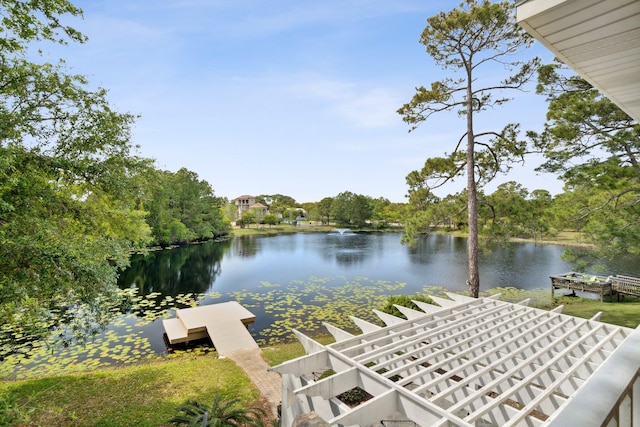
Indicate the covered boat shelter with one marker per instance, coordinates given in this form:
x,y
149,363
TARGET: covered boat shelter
x,y
469,362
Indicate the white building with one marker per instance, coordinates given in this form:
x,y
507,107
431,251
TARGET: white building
x,y
248,203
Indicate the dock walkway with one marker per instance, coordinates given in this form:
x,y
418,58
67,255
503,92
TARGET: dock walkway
x,y
269,383
226,325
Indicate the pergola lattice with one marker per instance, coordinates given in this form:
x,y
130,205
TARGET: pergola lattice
x,y
464,362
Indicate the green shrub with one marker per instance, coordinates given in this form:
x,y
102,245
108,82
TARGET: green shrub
x,y
219,414
404,301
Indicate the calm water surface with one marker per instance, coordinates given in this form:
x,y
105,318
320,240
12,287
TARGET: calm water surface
x,y
245,264
440,260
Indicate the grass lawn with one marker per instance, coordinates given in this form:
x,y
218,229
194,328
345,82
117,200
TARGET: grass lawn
x,y
280,229
623,313
277,354
141,395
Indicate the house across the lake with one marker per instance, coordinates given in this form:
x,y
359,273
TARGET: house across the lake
x,y
248,203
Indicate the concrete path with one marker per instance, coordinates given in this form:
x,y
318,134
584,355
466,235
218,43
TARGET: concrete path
x,y
269,383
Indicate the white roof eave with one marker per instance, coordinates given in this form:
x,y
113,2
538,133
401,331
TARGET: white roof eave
x,y
599,40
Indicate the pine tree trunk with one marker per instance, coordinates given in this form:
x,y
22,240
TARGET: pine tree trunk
x,y
472,208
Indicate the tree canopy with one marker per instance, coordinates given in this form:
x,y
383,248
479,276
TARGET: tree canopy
x,y
351,210
594,146
76,198
68,208
183,208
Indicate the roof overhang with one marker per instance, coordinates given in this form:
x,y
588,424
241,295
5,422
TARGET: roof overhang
x,y
599,39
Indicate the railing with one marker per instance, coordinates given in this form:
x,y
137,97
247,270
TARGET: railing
x,y
612,395
601,285
626,285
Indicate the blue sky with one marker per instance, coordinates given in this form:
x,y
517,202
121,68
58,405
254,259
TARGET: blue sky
x,y
290,97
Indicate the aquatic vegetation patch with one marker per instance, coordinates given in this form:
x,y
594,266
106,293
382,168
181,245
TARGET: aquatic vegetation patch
x,y
107,333
304,305
123,329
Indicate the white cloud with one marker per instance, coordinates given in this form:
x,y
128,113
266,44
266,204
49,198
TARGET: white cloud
x,y
360,105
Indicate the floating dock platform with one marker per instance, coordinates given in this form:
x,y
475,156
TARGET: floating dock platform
x,y
226,324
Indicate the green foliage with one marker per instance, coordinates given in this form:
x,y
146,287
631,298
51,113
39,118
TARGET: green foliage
x,y
291,214
218,414
516,213
25,22
404,301
247,219
277,203
75,198
449,213
324,209
386,213
594,146
271,219
183,208
175,232
68,200
10,411
351,210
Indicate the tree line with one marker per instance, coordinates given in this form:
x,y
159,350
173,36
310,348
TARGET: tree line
x,y
347,209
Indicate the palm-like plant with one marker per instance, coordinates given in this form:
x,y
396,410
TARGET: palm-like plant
x,y
219,414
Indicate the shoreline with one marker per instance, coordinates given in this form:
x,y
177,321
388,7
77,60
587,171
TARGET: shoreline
x,y
563,238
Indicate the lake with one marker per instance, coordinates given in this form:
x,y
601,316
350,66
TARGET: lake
x,y
285,279
290,281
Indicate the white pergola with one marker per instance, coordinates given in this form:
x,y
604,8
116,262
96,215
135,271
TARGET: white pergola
x,y
470,362
599,39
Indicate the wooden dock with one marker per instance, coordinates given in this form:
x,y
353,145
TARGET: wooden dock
x,y
227,326
224,323
601,285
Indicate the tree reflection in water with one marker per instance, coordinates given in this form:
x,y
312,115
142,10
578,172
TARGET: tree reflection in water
x,y
179,271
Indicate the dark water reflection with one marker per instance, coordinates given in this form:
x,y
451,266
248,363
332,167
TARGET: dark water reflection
x,y
178,271
439,260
